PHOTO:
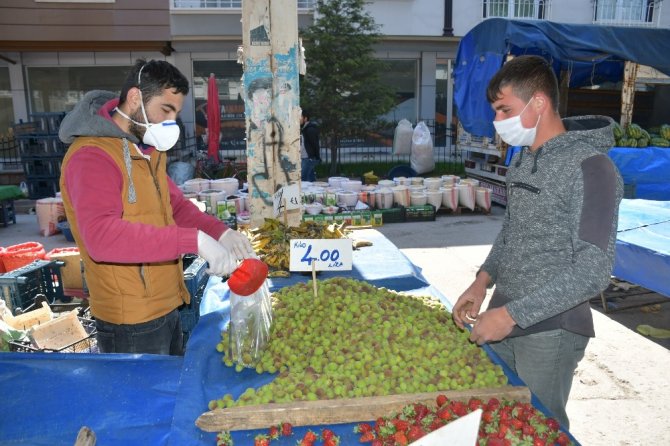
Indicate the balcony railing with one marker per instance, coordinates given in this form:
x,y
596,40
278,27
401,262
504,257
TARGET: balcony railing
x,y
225,4
516,9
627,12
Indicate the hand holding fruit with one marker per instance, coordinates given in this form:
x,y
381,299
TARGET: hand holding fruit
x,y
467,307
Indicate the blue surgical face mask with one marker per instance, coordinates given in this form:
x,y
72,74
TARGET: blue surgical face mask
x,y
512,131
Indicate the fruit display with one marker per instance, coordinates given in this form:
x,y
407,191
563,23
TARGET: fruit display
x,y
635,136
354,340
271,240
503,423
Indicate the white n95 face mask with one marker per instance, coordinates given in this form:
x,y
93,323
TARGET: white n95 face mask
x,y
163,135
513,132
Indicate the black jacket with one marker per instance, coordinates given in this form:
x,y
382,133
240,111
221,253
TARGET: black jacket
x,y
310,134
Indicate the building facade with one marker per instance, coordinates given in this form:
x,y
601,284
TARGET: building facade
x,y
53,51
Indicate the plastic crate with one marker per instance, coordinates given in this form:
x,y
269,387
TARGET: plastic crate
x,y
86,344
420,213
49,122
42,187
36,168
20,287
195,279
27,129
393,215
41,146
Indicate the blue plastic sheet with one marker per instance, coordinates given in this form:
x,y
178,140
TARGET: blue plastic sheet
x,y
47,397
647,168
643,244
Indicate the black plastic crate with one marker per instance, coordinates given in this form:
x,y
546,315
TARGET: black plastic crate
x,y
195,279
39,168
48,122
393,215
21,286
27,129
420,213
42,187
41,146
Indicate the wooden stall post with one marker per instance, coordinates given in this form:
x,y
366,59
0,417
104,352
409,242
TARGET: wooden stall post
x,y
628,92
271,55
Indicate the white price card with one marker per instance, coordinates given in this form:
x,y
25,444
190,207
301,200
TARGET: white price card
x,y
327,254
286,198
461,432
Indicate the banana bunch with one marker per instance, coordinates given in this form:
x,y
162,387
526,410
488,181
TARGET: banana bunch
x,y
271,240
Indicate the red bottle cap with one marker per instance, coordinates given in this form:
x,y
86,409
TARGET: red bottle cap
x,y
248,277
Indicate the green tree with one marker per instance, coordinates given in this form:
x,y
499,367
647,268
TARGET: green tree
x,y
342,87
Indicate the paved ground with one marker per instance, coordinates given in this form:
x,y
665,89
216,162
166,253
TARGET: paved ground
x,y
621,392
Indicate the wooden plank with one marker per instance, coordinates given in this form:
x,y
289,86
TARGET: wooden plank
x,y
345,410
628,92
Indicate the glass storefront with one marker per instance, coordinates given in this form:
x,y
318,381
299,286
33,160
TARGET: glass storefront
x,y
401,76
228,74
6,104
58,89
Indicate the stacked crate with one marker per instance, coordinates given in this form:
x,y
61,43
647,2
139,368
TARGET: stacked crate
x,y
41,153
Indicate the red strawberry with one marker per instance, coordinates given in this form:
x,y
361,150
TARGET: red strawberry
x,y
445,414
488,416
563,439
367,437
552,424
286,429
273,432
362,428
224,439
474,404
441,400
261,440
527,429
420,411
436,424
400,425
516,424
335,441
400,438
495,441
309,438
459,408
493,404
415,432
537,441
327,434
377,442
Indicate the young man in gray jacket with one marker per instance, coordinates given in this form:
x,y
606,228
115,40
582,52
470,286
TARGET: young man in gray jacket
x,y
556,248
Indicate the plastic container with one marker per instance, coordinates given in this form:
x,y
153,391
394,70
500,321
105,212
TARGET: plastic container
x,y
71,271
20,287
16,256
64,227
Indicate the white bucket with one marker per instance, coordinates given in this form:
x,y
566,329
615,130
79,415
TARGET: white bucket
x,y
196,185
401,195
483,198
418,199
384,198
402,181
449,197
385,183
416,181
229,185
466,195
434,197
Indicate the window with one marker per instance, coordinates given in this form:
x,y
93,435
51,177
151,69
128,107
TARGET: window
x,y
228,74
401,76
6,104
625,12
58,89
516,9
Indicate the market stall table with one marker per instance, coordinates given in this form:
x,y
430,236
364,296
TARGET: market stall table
x,y
644,171
146,399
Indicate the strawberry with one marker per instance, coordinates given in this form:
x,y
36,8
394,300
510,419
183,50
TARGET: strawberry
x,y
537,441
488,416
516,424
309,438
400,425
273,433
261,440
362,428
436,424
400,438
415,432
286,429
377,442
441,400
527,429
445,414
224,439
493,404
327,434
552,424
474,404
495,441
459,408
563,439
367,437
335,441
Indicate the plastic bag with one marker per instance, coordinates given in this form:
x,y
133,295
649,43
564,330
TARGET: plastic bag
x,y
402,138
249,329
49,211
422,159
483,198
180,172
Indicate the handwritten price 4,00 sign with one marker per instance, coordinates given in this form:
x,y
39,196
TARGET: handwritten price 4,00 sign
x,y
327,254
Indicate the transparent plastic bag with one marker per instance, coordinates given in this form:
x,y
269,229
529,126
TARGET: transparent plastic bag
x,y
402,138
249,329
422,159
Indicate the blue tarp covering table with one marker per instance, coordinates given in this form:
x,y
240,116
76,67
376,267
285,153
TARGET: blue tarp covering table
x,y
155,400
648,169
643,244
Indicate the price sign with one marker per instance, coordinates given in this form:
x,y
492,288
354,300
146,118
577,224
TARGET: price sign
x,y
285,199
327,254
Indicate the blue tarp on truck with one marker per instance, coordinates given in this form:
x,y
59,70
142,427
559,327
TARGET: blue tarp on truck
x,y
592,53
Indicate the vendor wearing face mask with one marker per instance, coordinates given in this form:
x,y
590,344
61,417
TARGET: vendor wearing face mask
x,y
556,247
131,222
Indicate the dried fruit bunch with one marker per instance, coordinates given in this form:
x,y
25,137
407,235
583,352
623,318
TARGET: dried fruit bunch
x,y
504,423
357,340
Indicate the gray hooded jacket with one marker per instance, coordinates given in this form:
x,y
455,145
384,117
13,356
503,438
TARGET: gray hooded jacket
x,y
556,248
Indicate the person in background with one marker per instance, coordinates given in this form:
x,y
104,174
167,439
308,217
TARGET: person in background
x,y
556,247
309,147
130,221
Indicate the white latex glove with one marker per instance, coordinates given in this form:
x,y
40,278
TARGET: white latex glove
x,y
221,261
237,243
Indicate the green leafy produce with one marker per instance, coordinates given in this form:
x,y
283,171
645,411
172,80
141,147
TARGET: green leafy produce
x,y
357,340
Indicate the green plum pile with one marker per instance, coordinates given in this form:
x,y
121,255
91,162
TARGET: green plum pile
x,y
356,340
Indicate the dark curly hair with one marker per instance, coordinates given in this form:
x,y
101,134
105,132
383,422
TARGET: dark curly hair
x,y
156,76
